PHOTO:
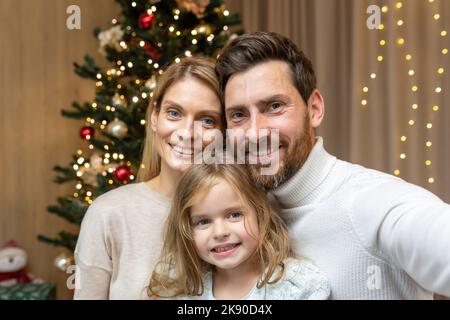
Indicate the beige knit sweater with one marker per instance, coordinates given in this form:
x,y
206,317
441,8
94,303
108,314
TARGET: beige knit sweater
x,y
119,243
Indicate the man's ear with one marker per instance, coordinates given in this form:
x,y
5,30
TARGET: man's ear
x,y
154,119
316,107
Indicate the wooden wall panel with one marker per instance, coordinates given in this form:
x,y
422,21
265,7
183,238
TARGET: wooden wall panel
x,y
36,82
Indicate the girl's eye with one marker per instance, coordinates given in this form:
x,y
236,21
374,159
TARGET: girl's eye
x,y
235,215
201,222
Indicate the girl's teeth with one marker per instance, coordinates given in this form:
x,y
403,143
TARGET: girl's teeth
x,y
223,249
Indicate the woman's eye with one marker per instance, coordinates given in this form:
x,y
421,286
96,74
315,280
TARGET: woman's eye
x,y
173,114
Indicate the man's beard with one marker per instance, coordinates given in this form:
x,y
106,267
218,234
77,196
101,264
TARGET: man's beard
x,y
293,161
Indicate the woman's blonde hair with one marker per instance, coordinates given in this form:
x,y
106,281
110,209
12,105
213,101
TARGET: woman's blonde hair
x,y
180,270
200,68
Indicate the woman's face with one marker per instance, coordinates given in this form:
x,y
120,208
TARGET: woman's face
x,y
185,102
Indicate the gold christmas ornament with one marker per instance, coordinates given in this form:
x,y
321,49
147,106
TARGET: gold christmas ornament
x,y
204,29
117,128
63,261
197,7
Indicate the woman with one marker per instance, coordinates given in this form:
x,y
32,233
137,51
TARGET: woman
x,y
121,234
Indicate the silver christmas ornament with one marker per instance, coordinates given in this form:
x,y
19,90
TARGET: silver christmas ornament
x,y
117,128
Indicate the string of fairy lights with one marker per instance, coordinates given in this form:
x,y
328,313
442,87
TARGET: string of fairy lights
x,y
437,91
81,164
413,117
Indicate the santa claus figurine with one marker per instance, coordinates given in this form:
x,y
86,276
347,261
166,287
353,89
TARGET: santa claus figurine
x,y
13,260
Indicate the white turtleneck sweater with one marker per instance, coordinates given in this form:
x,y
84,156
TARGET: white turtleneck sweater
x,y
374,235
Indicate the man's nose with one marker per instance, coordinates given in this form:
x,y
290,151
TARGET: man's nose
x,y
258,130
257,121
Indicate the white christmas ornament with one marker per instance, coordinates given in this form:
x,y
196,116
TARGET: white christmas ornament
x,y
117,101
110,37
96,162
151,83
117,128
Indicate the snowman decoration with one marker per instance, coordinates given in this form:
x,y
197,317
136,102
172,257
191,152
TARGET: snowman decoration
x,y
13,260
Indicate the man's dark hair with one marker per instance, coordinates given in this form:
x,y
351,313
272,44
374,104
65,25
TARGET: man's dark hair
x,y
248,50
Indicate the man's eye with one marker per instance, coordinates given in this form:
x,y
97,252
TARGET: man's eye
x,y
275,106
236,115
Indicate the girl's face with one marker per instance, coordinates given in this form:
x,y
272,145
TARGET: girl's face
x,y
186,101
224,235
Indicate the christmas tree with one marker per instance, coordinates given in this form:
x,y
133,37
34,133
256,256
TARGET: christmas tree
x,y
149,36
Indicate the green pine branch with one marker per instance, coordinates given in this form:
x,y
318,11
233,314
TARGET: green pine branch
x,y
70,209
64,239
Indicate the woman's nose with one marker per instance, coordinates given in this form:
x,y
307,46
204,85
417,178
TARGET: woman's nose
x,y
185,132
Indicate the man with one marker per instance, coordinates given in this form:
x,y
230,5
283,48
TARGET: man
x,y
373,234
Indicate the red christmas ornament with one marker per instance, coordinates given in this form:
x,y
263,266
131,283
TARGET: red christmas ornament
x,y
86,133
122,173
146,20
151,52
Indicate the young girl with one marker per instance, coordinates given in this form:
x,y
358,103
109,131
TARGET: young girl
x,y
223,241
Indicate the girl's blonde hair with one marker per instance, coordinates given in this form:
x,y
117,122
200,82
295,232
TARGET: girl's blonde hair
x,y
180,270
200,68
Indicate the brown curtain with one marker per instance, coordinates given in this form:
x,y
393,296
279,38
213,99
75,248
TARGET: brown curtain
x,y
345,52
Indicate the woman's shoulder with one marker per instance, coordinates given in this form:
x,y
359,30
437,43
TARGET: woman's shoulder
x,y
126,200
131,194
302,280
